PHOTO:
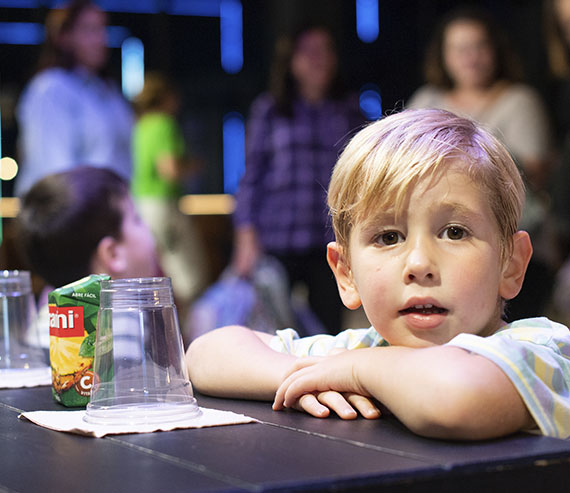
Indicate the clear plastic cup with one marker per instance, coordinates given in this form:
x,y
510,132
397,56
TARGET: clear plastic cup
x,y
20,348
139,372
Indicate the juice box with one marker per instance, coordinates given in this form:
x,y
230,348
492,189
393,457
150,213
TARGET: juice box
x,y
72,327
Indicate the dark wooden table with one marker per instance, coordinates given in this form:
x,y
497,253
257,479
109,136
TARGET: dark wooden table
x,y
288,451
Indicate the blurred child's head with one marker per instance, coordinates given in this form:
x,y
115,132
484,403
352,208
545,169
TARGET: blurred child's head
x,y
83,221
425,207
159,93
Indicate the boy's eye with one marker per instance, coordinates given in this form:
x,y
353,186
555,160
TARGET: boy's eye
x,y
389,238
454,233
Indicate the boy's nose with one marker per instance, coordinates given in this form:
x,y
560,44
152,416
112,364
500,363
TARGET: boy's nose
x,y
420,265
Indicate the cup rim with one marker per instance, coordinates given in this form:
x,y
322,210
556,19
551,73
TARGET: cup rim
x,y
14,275
12,280
135,281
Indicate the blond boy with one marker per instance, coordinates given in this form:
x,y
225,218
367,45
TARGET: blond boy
x,y
425,207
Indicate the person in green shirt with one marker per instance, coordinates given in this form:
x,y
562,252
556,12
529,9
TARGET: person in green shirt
x,y
160,166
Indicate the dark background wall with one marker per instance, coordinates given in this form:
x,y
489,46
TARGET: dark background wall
x,y
188,48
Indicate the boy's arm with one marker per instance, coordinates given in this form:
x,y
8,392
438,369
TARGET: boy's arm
x,y
236,362
442,391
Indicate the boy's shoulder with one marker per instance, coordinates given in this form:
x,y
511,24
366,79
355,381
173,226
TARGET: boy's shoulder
x,y
534,354
535,330
524,337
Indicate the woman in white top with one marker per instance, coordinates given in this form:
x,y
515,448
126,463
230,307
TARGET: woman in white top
x,y
470,70
70,114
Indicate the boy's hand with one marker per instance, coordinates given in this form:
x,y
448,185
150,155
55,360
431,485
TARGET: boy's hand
x,y
318,385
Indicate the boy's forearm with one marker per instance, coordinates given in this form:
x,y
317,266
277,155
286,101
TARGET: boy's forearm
x,y
443,391
236,362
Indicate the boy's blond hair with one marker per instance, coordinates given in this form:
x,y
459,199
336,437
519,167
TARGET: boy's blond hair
x,y
382,161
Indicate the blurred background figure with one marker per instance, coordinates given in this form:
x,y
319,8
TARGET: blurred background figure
x,y
161,165
557,36
557,40
294,135
71,114
470,70
79,222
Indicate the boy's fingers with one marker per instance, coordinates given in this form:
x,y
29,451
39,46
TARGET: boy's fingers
x,y
279,400
282,399
364,405
310,404
290,389
336,401
279,397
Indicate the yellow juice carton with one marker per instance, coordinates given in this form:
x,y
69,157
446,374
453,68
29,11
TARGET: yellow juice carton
x,y
72,327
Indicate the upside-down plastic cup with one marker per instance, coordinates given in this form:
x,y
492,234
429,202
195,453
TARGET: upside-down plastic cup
x,y
20,349
139,372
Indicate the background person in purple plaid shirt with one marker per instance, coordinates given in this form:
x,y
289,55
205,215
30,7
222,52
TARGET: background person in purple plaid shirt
x,y
294,135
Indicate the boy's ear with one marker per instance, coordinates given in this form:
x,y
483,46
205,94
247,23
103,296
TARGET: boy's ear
x,y
341,269
515,267
109,257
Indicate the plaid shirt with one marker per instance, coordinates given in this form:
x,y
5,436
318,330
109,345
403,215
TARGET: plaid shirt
x,y
288,167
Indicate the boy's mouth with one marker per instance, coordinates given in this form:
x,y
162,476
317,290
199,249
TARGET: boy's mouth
x,y
427,309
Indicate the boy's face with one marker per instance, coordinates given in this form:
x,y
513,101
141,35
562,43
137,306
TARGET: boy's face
x,y
434,272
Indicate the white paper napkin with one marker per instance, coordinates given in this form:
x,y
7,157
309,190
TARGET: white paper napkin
x,y
73,422
32,377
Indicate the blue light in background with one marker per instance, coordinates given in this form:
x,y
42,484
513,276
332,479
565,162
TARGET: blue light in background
x,y
229,11
367,26
21,33
36,4
132,67
370,101
33,33
116,35
231,35
233,131
202,8
209,8
20,4
133,6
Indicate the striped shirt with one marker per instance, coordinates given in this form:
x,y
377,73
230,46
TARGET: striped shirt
x,y
534,354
